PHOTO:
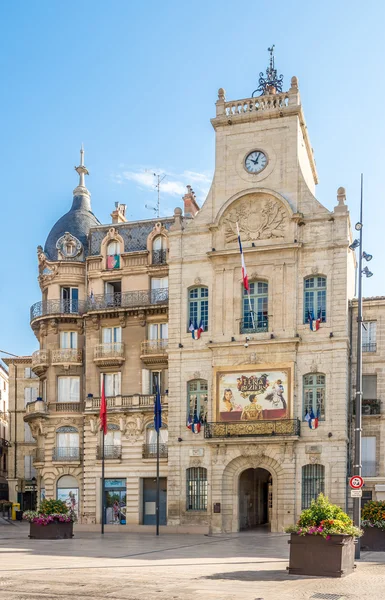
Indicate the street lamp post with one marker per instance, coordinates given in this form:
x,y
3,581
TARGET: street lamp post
x,y
357,464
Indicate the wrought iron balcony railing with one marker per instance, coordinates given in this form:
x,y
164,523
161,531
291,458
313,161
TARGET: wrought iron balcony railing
x,y
159,257
259,326
128,299
149,451
369,347
369,407
154,347
283,427
66,454
67,356
38,455
109,452
57,307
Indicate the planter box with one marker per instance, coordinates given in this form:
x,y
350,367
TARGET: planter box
x,y
314,555
52,531
373,539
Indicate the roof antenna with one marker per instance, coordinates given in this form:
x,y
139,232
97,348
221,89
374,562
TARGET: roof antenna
x,y
159,179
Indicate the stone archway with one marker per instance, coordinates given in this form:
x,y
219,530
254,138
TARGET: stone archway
x,y
230,489
255,498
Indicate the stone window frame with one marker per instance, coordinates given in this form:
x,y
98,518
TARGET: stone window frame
x,y
317,307
199,393
255,296
316,474
199,300
196,489
315,387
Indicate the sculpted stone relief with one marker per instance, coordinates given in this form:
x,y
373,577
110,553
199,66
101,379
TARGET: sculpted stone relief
x,y
258,217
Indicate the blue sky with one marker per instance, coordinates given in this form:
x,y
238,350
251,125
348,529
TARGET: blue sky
x,y
137,84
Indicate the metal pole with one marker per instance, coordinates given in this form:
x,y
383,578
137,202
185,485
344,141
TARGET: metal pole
x,y
103,510
357,466
157,483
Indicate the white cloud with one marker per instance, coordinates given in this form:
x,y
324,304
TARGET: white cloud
x,y
173,184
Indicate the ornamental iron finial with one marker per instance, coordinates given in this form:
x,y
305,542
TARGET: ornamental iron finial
x,y
82,171
271,83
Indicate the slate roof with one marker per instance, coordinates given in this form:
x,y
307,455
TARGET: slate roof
x,y
134,234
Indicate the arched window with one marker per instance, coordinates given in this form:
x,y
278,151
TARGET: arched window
x,y
255,306
196,488
112,442
113,255
159,250
198,308
313,483
67,444
197,401
67,490
314,300
314,395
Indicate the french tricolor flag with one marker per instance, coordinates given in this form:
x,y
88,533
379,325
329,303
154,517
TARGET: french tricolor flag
x,y
244,272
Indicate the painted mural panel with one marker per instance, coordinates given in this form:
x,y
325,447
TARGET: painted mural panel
x,y
253,395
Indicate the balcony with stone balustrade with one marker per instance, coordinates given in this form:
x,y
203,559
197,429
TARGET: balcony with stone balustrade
x,y
154,352
40,361
66,357
132,403
109,355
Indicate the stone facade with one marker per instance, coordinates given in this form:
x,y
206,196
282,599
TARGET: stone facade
x,y
4,432
23,389
185,271
373,371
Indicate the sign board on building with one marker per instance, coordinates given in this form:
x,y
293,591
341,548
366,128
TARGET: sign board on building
x,y
356,482
356,493
196,451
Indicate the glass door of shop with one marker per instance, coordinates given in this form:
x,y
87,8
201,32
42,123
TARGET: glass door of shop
x,y
115,501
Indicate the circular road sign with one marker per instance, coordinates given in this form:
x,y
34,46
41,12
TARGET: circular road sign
x,y
356,482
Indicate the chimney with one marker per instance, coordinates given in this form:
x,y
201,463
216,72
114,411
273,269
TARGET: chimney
x,y
119,214
190,204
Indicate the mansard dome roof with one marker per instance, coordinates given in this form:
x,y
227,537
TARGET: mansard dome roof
x,y
77,222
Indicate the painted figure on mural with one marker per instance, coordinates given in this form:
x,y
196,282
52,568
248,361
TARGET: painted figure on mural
x,y
253,411
276,396
228,400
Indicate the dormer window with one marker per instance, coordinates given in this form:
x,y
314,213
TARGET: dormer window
x,y
113,255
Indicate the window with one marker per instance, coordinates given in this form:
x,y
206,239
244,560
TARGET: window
x,y
113,435
313,483
197,399
196,484
44,389
369,468
314,395
111,384
113,255
28,374
67,443
30,395
369,336
198,307
159,250
68,339
256,318
158,331
69,297
151,435
29,469
111,335
67,490
369,387
314,299
68,389
113,293
155,379
159,283
28,437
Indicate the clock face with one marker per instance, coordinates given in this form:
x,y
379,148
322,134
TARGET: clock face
x,y
256,161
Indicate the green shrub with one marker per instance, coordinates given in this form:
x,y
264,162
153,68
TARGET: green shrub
x,y
324,518
53,507
373,514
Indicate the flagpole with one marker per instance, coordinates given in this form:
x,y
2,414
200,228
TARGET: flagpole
x,y
103,436
157,483
248,289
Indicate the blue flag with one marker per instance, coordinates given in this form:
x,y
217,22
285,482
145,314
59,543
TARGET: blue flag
x,y
157,409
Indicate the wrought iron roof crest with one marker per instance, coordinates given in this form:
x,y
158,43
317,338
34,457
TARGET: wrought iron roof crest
x,y
271,83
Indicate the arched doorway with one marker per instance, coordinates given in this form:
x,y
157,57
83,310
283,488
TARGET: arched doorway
x,y
255,498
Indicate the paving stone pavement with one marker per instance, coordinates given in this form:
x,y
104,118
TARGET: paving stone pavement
x,y
123,566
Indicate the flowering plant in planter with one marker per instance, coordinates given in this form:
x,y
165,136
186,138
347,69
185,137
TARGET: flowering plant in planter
x,y
50,511
373,514
324,519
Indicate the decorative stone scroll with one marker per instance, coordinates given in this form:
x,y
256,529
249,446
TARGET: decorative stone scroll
x,y
258,217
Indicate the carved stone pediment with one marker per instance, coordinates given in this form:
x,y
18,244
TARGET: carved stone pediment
x,y
259,216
